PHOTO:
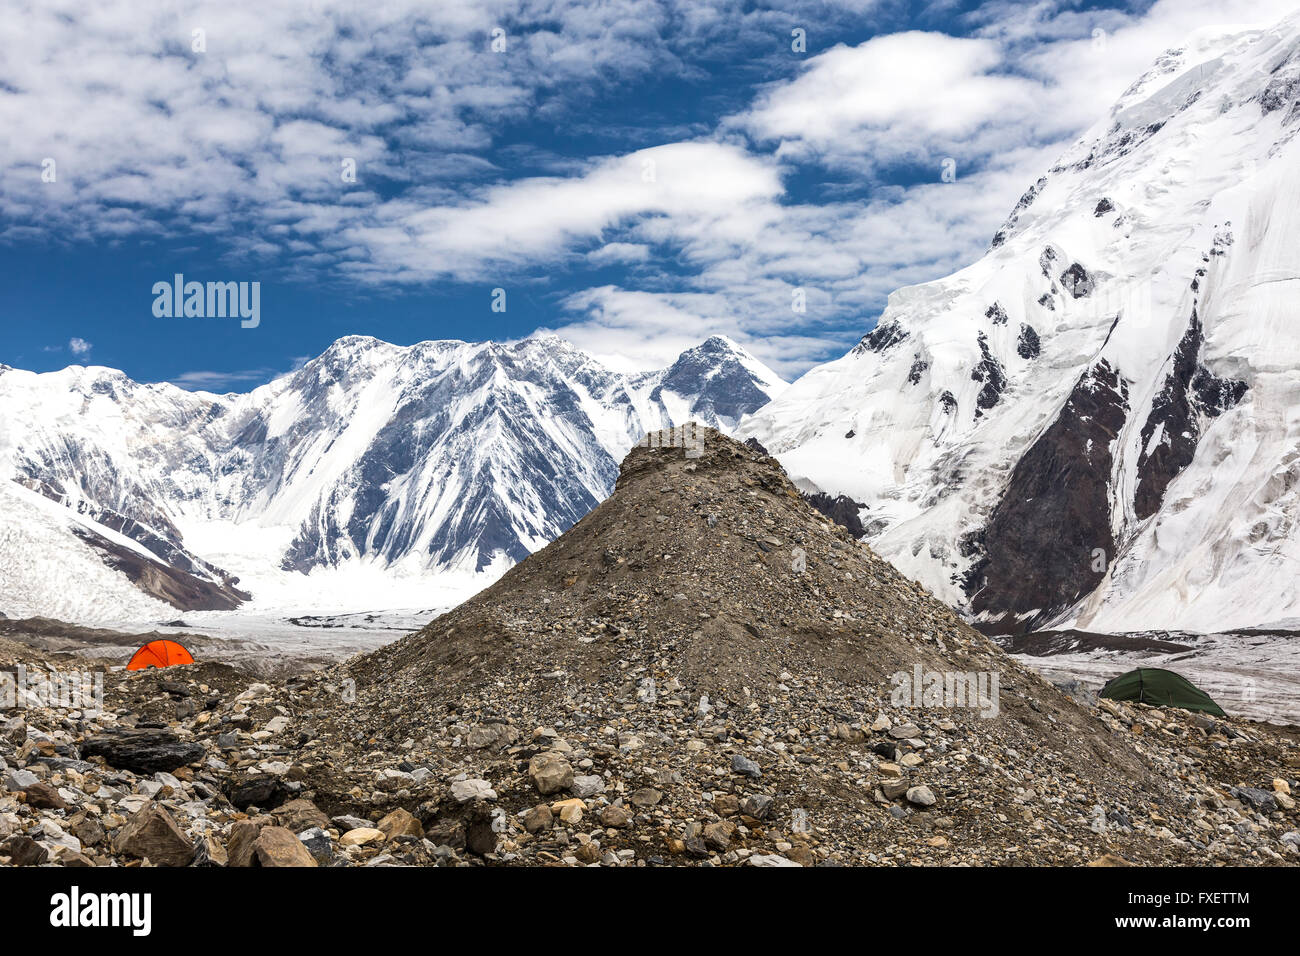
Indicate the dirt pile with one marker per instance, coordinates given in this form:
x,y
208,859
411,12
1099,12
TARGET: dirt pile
x,y
703,670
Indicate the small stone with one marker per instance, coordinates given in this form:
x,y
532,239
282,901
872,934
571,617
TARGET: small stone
x,y
893,789
646,797
317,842
208,852
550,773
569,811
24,851
20,779
757,805
615,817
718,835
300,814
587,786
400,823
745,767
539,819
361,836
44,797
466,790
770,859
922,796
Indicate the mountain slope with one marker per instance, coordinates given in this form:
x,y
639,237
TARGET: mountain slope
x,y
440,456
1093,424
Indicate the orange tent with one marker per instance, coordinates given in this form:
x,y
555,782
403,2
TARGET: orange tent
x,y
159,654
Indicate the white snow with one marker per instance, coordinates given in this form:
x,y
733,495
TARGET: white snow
x,y
1223,551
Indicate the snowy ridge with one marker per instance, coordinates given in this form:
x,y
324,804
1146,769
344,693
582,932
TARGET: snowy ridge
x,y
443,457
1095,424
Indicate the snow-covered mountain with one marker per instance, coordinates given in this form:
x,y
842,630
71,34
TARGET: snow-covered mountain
x,y
443,456
1098,423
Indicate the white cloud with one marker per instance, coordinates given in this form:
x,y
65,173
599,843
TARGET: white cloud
x,y
245,142
79,346
901,96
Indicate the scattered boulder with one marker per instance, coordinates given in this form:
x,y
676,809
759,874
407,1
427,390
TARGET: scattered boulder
x,y
550,773
143,751
152,834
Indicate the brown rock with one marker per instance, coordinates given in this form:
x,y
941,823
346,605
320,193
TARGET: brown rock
x,y
400,823
300,814
539,819
88,831
801,855
24,851
646,797
208,851
1110,859
278,847
615,817
718,835
44,797
239,848
151,834
726,805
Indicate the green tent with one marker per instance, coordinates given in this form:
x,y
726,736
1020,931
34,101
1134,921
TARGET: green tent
x,y
1160,688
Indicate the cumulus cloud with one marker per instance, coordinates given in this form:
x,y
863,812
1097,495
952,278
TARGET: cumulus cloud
x,y
79,346
112,124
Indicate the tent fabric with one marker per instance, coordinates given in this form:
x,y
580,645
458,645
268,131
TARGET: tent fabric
x,y
159,654
1160,688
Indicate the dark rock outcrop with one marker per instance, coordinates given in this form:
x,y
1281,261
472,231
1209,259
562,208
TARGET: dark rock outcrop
x,y
1048,541
989,371
1173,427
143,751
841,509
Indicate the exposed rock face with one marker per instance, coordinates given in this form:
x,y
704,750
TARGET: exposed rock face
x,y
988,371
1173,427
1049,540
882,337
1028,346
841,509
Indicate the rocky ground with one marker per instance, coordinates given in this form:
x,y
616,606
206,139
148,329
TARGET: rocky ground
x,y
698,673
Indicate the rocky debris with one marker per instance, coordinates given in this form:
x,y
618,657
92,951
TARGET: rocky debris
x,y
713,706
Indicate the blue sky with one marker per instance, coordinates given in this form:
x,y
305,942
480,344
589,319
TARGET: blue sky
x,y
635,174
